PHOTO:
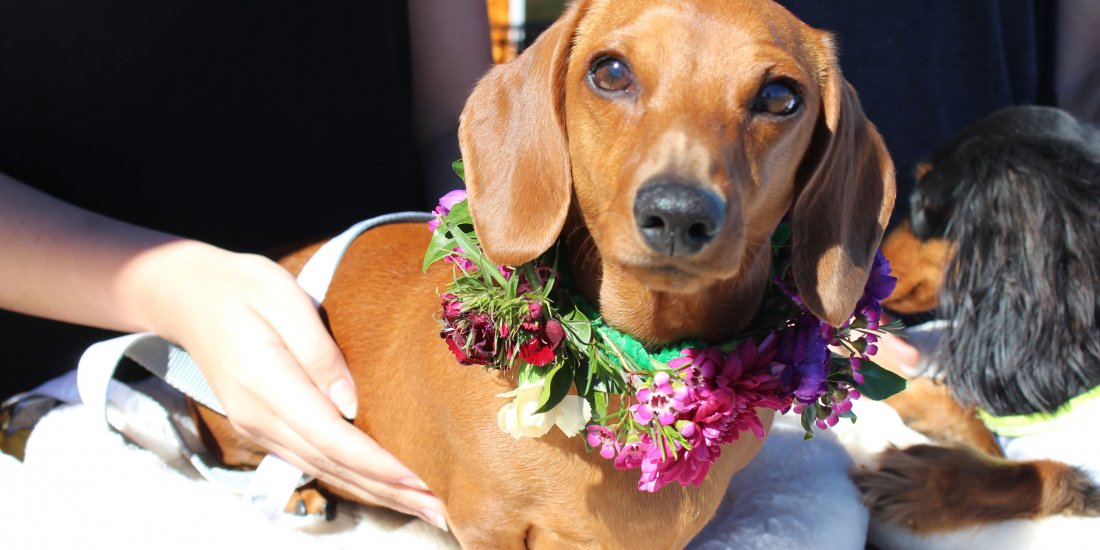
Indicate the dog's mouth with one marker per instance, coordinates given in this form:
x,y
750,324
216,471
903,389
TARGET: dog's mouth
x,y
680,276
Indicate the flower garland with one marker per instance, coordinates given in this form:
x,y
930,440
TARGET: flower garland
x,y
667,412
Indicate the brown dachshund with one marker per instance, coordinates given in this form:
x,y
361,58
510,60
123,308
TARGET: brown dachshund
x,y
661,142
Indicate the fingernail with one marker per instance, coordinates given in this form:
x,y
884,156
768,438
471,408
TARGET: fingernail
x,y
343,396
415,483
434,518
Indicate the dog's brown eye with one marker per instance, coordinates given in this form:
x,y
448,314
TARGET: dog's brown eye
x,y
777,98
611,75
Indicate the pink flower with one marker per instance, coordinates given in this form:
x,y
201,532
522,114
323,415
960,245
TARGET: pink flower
x,y
452,308
631,454
661,399
688,467
465,263
446,203
604,438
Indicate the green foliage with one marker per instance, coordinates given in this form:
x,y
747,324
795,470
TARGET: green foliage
x,y
460,169
879,383
601,364
555,387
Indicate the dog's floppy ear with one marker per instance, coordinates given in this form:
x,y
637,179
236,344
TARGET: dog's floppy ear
x,y
844,202
512,135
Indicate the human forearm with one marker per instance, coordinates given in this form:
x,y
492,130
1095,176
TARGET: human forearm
x,y
69,264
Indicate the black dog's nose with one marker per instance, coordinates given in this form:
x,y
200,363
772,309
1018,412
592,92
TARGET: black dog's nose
x,y
677,219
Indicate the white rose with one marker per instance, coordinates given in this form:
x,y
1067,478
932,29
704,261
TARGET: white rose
x,y
518,418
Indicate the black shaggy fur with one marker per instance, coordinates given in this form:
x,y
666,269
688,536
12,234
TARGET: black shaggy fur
x,y
1019,195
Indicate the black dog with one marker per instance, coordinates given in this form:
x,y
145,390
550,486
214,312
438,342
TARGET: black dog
x,y
1017,196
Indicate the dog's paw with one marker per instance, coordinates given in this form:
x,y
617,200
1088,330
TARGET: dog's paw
x,y
310,502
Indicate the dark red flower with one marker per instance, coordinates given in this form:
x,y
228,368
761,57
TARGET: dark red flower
x,y
539,350
471,337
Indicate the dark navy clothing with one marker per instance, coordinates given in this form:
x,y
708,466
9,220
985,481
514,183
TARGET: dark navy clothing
x,y
926,69
249,125
253,125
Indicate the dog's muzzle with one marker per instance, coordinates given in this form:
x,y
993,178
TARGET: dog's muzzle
x,y
677,219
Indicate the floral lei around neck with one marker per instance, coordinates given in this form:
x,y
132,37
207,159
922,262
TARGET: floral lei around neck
x,y
667,412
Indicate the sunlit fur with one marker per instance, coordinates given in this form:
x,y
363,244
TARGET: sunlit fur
x,y
545,157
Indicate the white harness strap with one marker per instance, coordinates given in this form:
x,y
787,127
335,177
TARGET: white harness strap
x,y
270,486
317,273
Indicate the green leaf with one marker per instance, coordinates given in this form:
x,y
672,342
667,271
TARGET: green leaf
x,y
879,383
809,415
599,407
553,271
460,168
460,215
512,287
470,250
527,373
580,381
440,246
555,388
578,326
782,235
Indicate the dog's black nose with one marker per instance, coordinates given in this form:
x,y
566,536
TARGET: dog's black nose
x,y
677,219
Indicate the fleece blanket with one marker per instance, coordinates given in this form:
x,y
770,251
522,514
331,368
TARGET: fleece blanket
x,y
81,486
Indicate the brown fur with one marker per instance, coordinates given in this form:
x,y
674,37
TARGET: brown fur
x,y
929,489
919,267
547,157
928,407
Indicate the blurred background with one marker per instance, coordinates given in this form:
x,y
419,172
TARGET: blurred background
x,y
516,23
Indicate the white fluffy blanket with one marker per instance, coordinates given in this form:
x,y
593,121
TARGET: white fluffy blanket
x,y
83,487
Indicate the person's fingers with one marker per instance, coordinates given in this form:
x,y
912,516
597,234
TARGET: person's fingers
x,y
328,439
274,367
292,315
297,451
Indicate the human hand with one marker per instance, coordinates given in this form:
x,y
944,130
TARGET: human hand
x,y
284,384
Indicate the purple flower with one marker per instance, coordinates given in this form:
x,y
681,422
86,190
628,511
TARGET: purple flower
x,y
880,283
446,203
805,355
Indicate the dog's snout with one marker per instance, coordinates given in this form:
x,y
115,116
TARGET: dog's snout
x,y
677,219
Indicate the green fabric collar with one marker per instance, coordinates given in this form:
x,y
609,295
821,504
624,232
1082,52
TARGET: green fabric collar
x,y
1030,424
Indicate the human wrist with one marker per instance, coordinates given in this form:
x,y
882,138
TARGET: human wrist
x,y
168,288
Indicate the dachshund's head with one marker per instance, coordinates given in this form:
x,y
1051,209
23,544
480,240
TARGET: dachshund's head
x,y
680,134
1016,196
